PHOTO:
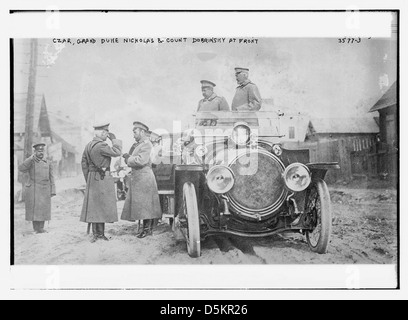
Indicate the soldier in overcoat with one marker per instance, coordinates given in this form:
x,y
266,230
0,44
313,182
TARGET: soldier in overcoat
x,y
142,200
39,188
99,206
247,96
211,101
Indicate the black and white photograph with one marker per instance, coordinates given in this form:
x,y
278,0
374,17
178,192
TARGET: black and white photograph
x,y
249,149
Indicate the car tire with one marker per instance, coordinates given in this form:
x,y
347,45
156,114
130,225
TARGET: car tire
x,y
319,205
193,220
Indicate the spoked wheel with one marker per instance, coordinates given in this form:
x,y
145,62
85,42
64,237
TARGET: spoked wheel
x,y
318,206
190,211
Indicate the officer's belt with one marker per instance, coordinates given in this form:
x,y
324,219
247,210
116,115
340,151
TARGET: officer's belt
x,y
97,170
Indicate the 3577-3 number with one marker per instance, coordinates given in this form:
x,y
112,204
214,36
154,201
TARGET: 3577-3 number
x,y
349,40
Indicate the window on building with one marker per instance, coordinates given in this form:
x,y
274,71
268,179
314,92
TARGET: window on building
x,y
291,132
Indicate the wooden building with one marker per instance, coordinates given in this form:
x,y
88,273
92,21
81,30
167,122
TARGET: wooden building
x,y
386,148
348,141
62,153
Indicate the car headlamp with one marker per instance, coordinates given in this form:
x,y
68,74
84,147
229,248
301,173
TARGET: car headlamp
x,y
297,177
241,134
220,179
201,151
277,150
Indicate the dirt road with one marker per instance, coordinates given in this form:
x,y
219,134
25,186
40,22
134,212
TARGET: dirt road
x,y
364,232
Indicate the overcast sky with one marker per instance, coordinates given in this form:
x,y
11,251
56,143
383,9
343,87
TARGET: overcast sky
x,y
158,83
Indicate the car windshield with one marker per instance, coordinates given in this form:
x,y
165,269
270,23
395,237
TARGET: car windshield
x,y
266,122
227,118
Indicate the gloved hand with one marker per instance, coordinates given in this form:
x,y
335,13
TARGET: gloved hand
x,y
126,157
111,136
35,158
243,107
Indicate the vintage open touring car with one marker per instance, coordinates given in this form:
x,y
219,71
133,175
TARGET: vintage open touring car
x,y
231,175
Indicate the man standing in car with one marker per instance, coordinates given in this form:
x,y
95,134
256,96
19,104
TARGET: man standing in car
x,y
99,206
211,101
247,96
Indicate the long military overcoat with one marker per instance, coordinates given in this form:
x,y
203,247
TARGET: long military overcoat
x,y
99,204
142,200
38,189
213,103
247,97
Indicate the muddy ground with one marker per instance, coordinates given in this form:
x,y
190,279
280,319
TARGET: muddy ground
x,y
364,232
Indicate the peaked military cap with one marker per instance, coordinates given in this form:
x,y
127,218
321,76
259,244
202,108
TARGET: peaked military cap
x,y
206,83
138,124
38,145
239,70
102,126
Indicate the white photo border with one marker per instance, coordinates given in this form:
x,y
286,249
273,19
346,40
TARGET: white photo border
x,y
231,281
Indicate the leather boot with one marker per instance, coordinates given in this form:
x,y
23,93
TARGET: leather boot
x,y
141,234
94,232
101,232
94,229
147,228
140,227
150,228
38,226
41,225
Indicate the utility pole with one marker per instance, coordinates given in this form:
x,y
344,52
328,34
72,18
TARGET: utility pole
x,y
29,120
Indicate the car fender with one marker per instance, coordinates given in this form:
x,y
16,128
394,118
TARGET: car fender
x,y
318,170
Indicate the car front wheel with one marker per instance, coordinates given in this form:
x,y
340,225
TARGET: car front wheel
x,y
190,207
320,215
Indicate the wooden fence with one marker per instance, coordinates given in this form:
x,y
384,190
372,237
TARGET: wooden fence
x,y
352,154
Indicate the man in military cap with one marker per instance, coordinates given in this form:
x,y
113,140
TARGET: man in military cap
x,y
142,200
247,96
211,101
39,188
99,206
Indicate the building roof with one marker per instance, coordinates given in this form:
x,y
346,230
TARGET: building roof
x,y
65,145
42,120
60,120
389,98
20,102
343,125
